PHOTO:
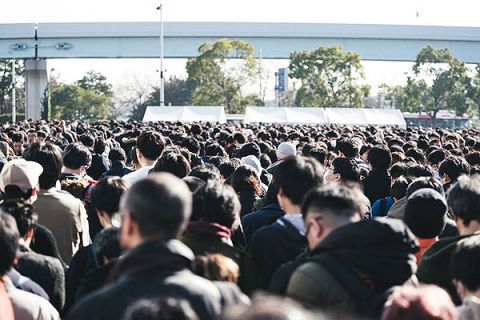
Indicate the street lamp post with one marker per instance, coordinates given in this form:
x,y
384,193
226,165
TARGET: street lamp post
x,y
162,80
14,97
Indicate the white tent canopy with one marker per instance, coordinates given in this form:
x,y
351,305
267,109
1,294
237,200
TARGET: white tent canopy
x,y
285,115
341,116
185,114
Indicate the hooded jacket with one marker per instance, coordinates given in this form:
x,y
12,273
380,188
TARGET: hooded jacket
x,y
381,251
154,269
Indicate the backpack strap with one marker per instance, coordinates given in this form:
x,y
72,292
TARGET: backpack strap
x,y
383,207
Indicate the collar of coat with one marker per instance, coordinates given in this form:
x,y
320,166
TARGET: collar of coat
x,y
161,256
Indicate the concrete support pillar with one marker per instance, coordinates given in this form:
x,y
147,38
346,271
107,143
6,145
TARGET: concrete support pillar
x,y
36,83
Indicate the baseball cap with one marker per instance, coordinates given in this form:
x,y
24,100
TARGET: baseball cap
x,y
21,173
426,213
285,150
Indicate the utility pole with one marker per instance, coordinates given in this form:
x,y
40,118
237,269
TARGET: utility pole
x,y
162,80
14,96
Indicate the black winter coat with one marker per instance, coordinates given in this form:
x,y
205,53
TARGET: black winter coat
x,y
154,269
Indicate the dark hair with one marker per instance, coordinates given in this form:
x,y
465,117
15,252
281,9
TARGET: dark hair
x,y
379,157
23,213
167,220
437,156
347,146
245,179
173,163
206,172
419,170
192,145
49,156
318,154
227,168
214,149
425,213
100,146
425,182
398,169
265,161
117,154
415,154
473,158
400,186
347,169
87,140
464,263
337,199
296,175
76,155
106,194
106,244
239,137
464,198
168,308
216,202
8,242
150,144
453,167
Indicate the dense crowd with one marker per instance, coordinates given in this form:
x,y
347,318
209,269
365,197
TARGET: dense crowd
x,y
116,220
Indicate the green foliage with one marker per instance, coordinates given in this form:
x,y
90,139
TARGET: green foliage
x,y
440,82
329,77
6,86
95,82
72,102
474,89
219,72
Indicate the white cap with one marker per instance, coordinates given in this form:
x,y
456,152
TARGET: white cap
x,y
21,173
285,150
252,162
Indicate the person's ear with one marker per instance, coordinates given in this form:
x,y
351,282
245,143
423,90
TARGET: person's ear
x,y
337,177
459,287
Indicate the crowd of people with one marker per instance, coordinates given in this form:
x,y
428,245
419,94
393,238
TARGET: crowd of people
x,y
127,220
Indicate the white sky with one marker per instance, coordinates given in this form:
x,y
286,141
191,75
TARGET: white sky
x,y
419,12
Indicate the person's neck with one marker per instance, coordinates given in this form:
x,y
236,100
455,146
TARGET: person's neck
x,y
147,163
71,171
473,227
291,209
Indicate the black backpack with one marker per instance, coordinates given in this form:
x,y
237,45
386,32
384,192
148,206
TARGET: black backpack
x,y
369,301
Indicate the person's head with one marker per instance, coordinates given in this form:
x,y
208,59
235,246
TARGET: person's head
x,y
347,147
265,307
419,170
167,308
157,207
24,216
318,154
216,203
426,213
87,140
328,207
217,267
174,163
379,158
248,149
464,203
227,168
100,146
18,141
49,156
117,155
246,180
8,242
397,170
425,182
149,147
105,198
343,169
77,157
451,168
294,177
464,267
286,150
426,303
19,179
206,172
399,187
106,246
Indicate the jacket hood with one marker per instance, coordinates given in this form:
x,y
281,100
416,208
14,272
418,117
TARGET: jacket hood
x,y
381,249
156,255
